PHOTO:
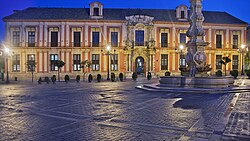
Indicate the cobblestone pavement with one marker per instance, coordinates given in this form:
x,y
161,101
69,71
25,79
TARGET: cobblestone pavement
x,y
117,111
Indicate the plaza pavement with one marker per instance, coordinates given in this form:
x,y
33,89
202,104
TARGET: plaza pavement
x,y
117,111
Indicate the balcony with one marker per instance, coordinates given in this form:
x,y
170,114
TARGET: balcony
x,y
95,44
164,45
27,44
54,44
76,44
235,46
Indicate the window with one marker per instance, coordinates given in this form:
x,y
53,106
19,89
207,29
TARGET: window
x,y
96,11
139,38
77,62
164,62
218,41
164,39
31,39
53,60
95,62
114,39
218,64
16,38
235,41
31,62
16,63
182,38
235,62
54,39
182,61
114,62
182,14
95,39
77,39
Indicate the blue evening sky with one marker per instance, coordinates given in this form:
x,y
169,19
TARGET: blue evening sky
x,y
238,8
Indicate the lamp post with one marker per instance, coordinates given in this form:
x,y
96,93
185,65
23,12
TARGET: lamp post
x,y
7,51
242,51
108,49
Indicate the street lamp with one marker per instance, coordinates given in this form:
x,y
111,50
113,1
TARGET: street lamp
x,y
108,49
7,52
242,51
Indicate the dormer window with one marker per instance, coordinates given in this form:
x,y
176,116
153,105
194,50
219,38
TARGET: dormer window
x,y
182,13
96,10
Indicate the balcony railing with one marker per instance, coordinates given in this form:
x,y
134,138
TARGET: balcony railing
x,y
76,44
235,46
163,45
27,44
54,44
95,44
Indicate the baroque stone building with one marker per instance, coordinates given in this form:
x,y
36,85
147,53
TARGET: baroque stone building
x,y
141,40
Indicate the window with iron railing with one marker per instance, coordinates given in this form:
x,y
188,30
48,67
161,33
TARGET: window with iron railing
x,y
16,38
95,62
53,62
235,62
95,39
218,64
31,62
164,61
114,39
164,39
16,63
76,62
235,41
77,39
54,39
139,38
218,41
31,39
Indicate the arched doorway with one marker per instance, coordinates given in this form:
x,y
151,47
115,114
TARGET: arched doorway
x,y
139,64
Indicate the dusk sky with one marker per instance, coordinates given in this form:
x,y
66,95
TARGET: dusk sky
x,y
238,8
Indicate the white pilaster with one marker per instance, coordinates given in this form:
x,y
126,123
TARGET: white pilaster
x,y
40,34
40,61
210,36
174,62
173,35
45,61
86,35
242,37
45,35
23,35
62,34
67,35
67,62
227,38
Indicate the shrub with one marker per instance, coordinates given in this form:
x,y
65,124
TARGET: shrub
x,y
134,76
167,73
234,73
99,77
77,78
66,78
121,76
53,79
248,73
90,78
218,73
149,76
112,77
47,80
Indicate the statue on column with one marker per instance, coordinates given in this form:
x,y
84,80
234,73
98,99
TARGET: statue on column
x,y
196,57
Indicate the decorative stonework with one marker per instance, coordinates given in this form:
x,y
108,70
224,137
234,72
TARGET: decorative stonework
x,y
139,19
196,57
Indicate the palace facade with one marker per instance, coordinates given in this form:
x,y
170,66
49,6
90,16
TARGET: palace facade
x,y
141,40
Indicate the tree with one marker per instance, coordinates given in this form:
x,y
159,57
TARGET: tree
x,y
225,61
31,65
59,64
85,65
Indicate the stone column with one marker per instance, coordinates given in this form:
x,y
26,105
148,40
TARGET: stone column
x,y
67,35
45,35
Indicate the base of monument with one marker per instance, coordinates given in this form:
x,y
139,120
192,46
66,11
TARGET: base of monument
x,y
196,82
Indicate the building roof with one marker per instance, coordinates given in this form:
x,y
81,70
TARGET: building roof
x,y
165,15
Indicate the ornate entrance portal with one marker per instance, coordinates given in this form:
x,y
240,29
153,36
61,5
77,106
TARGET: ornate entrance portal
x,y
139,63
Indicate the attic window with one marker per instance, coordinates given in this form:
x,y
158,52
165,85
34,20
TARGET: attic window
x,y
96,11
182,14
